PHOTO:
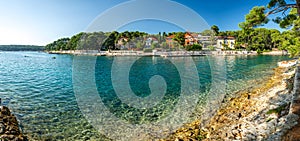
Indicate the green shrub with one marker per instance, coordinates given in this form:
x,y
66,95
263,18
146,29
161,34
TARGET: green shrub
x,y
277,110
211,48
259,51
148,50
194,47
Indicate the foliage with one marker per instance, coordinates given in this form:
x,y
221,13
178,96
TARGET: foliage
x,y
93,41
281,6
215,29
259,51
277,110
207,33
258,16
164,45
72,44
212,48
179,37
200,137
258,38
255,18
229,33
60,44
154,45
226,47
139,44
109,43
148,50
194,47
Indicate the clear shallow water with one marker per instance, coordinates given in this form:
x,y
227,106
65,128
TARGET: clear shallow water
x,y
39,89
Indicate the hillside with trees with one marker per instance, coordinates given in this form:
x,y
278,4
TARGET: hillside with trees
x,y
93,41
251,36
124,40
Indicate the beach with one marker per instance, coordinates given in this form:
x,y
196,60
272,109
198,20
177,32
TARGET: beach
x,y
267,112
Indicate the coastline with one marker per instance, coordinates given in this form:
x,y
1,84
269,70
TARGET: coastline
x,y
263,113
161,53
153,53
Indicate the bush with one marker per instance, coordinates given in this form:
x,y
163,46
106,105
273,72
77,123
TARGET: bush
x,y
259,51
148,50
211,48
194,47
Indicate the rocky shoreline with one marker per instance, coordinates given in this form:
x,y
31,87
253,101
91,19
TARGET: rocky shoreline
x,y
263,113
9,127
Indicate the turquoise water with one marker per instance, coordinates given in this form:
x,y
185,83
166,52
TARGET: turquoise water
x,y
38,87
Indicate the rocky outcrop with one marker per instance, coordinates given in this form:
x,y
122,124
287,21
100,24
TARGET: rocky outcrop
x,y
9,127
293,134
262,114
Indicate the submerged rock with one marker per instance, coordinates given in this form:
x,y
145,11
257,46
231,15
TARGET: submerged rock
x,y
9,127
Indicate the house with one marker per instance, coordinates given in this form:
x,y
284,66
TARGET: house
x,y
149,41
170,42
190,39
225,42
205,40
121,43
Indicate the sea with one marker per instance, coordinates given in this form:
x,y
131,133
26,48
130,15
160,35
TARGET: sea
x,y
68,97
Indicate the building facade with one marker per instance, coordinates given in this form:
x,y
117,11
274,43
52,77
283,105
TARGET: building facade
x,y
225,42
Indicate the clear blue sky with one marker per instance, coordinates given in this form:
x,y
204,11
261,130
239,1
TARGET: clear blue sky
x,y
39,22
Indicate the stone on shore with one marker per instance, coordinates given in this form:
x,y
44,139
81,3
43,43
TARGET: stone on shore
x,y
9,127
286,64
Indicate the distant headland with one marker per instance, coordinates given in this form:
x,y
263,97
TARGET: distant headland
x,y
21,48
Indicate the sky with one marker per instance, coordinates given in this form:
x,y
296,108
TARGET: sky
x,y
36,22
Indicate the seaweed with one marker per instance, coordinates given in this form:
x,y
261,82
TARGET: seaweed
x,y
277,110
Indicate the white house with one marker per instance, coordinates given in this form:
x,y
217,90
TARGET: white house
x,y
223,42
149,41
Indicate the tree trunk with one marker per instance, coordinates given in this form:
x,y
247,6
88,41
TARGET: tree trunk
x,y
298,6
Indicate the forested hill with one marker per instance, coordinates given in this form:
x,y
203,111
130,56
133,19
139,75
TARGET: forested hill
x,y
21,48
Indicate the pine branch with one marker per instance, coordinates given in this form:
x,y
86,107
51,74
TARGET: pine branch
x,y
282,8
